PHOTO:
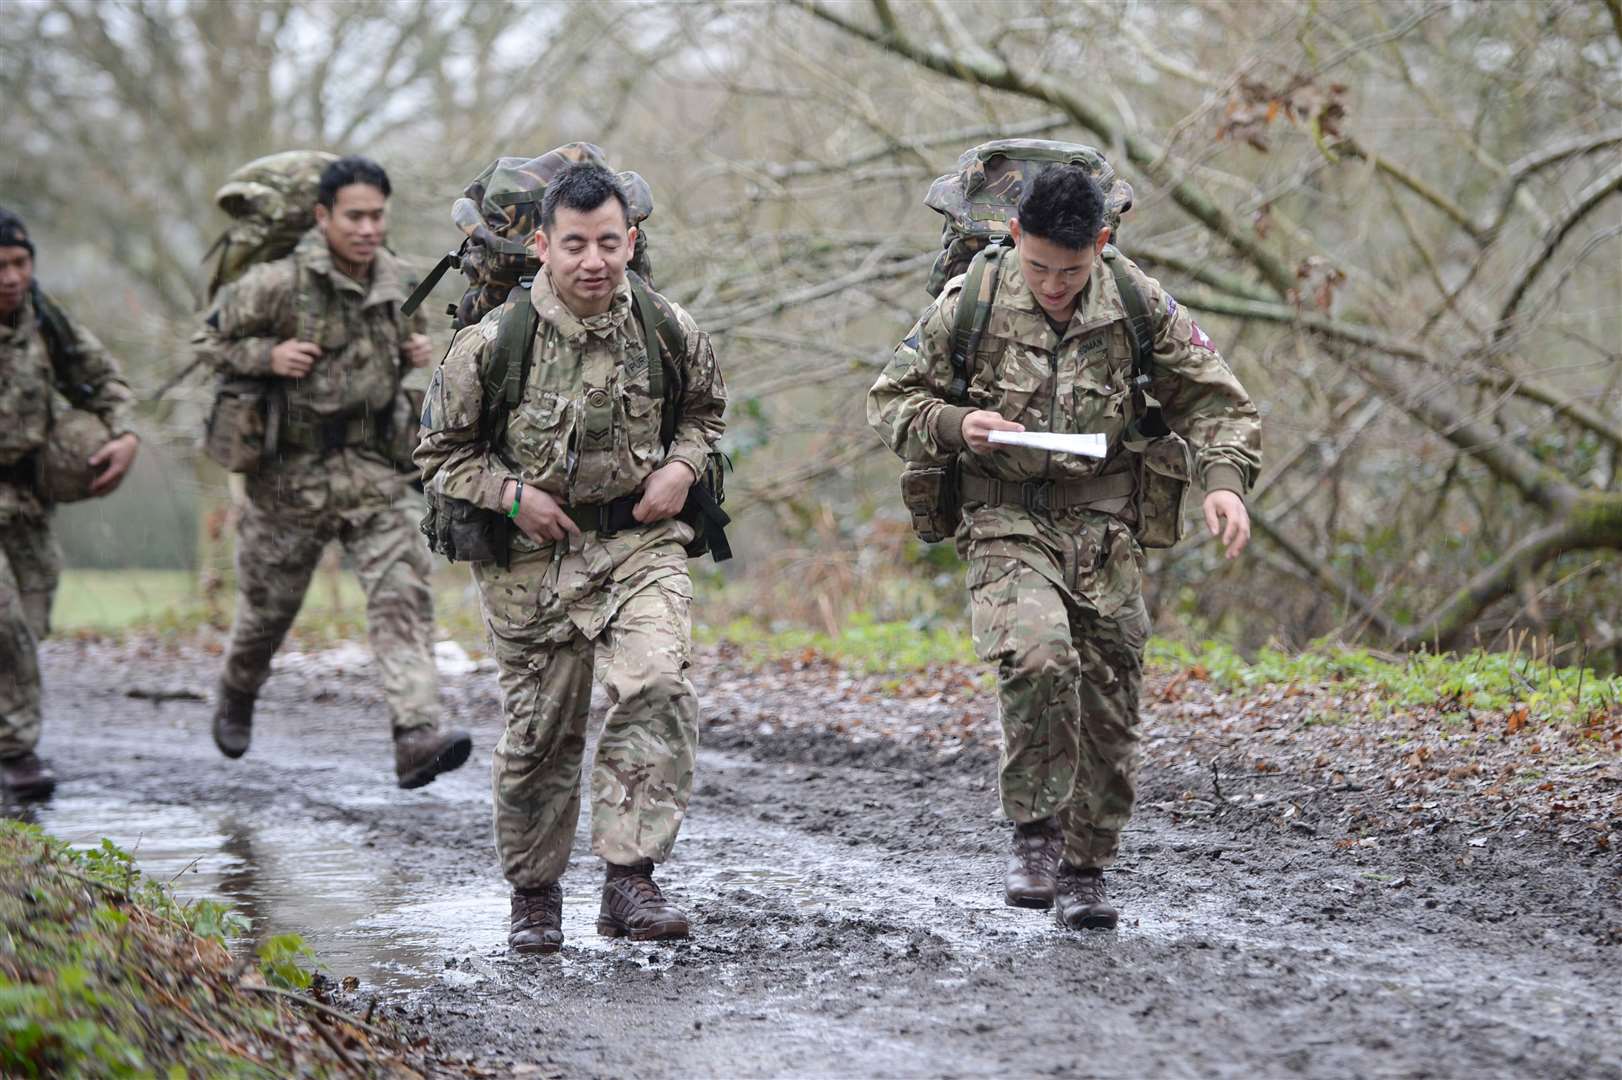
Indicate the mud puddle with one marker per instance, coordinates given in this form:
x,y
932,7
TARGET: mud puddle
x,y
361,914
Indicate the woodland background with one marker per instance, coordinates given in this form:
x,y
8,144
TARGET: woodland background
x,y
1399,220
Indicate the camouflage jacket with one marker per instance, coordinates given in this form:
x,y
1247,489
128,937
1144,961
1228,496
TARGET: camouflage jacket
x,y
31,382
1077,383
359,328
587,427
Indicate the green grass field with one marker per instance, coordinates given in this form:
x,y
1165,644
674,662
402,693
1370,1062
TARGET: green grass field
x,y
113,600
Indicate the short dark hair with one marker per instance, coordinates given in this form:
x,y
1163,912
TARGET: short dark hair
x,y
1064,205
353,169
583,186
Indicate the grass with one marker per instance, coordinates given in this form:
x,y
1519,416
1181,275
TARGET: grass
x,y
862,645
103,973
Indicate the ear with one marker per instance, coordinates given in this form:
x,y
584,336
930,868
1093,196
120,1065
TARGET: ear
x,y
540,245
1103,238
630,239
1013,229
322,216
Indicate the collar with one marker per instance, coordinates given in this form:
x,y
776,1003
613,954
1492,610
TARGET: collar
x,y
573,327
26,320
385,287
1092,303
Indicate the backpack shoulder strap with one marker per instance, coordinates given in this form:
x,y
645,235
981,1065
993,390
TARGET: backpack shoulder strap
x,y
506,369
663,331
973,314
1140,334
61,344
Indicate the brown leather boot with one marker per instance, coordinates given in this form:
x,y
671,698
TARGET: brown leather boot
x,y
420,754
1081,904
537,920
1029,883
27,777
634,907
233,721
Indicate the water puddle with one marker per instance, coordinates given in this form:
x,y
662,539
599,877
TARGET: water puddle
x,y
361,915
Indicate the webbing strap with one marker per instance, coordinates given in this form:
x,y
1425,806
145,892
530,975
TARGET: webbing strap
x,y
426,285
973,314
1147,421
509,363
1108,494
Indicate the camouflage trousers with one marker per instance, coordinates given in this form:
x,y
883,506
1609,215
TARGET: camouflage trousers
x,y
620,609
29,568
1068,684
290,516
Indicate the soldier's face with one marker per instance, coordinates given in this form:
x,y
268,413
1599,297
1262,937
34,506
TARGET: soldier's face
x,y
585,252
356,224
16,274
1055,274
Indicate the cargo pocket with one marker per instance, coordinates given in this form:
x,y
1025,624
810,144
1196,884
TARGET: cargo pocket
x,y
642,427
539,432
1166,469
1118,578
513,600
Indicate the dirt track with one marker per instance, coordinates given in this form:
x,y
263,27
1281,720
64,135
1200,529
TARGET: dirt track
x,y
846,903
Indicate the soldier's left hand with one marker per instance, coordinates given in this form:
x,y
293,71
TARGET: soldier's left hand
x,y
1225,515
114,460
417,350
665,493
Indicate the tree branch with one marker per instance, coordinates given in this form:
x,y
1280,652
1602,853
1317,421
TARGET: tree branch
x,y
1587,200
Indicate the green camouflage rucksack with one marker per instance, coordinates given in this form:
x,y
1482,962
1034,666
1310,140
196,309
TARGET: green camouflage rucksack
x,y
271,202
979,197
499,213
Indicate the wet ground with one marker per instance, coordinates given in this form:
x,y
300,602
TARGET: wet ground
x,y
846,902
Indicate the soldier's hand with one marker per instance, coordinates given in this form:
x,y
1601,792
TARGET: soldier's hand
x,y
114,460
417,350
293,359
978,426
664,494
1225,515
539,516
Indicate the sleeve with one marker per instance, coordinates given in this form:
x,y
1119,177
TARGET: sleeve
x,y
704,400
95,382
1200,396
453,460
907,405
246,321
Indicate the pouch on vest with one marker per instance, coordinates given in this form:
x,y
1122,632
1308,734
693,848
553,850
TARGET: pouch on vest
x,y
930,494
1165,469
241,432
463,532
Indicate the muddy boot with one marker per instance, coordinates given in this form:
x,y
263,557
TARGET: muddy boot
x,y
27,777
1029,883
634,907
1081,904
233,721
420,754
537,920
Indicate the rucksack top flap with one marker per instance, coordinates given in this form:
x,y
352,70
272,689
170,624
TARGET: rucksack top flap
x,y
274,186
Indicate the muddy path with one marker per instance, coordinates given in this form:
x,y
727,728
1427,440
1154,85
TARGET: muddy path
x,y
846,903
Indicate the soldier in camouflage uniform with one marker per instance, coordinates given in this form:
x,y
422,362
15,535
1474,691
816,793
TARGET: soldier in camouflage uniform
x,y
583,446
323,327
1054,572
34,368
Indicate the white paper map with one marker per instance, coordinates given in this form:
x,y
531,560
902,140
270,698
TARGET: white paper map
x,y
1085,445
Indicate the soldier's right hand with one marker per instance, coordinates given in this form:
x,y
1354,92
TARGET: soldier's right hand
x,y
293,359
539,516
978,426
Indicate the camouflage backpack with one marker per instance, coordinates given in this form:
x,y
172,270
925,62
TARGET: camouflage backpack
x,y
982,194
499,213
271,202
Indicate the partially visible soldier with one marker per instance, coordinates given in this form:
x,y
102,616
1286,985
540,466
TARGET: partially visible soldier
x,y
1055,573
598,575
42,353
323,326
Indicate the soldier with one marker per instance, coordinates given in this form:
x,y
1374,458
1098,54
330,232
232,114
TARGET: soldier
x,y
597,575
42,352
322,326
1054,570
